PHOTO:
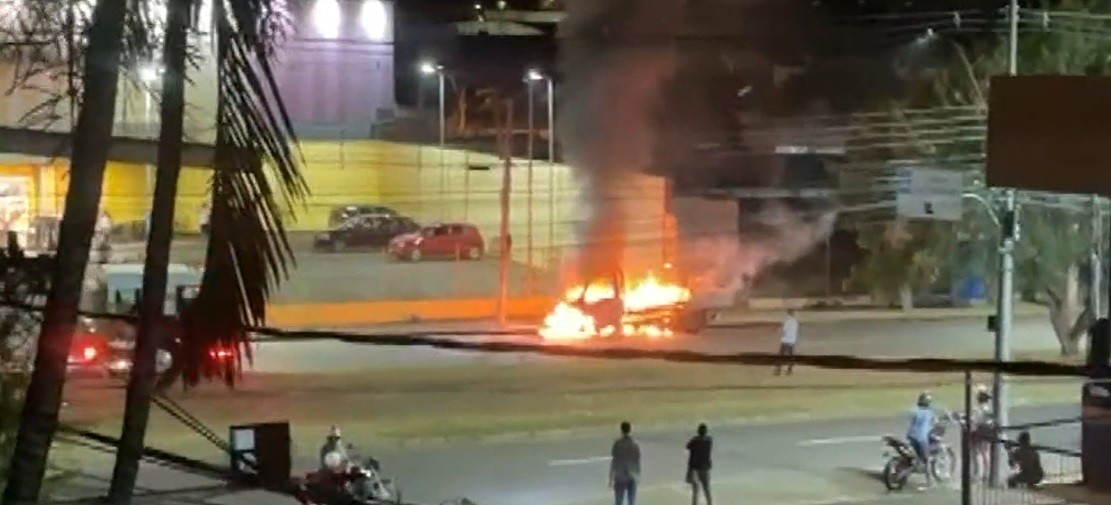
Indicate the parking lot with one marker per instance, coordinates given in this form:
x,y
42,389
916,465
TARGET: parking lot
x,y
366,274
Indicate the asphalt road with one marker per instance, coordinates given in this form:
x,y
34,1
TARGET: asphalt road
x,y
369,275
892,338
800,463
786,464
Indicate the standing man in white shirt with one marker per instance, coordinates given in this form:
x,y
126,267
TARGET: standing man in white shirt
x,y
788,338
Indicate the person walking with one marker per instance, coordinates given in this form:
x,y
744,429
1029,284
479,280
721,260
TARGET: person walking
x,y
698,464
982,430
625,467
789,337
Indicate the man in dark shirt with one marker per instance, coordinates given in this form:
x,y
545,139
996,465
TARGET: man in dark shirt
x,y
698,465
1029,464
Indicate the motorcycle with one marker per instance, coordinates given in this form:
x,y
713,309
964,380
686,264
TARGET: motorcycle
x,y
360,485
903,461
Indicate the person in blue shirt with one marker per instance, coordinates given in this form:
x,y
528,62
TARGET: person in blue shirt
x,y
918,433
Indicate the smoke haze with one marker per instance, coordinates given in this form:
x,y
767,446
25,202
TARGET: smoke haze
x,y
650,83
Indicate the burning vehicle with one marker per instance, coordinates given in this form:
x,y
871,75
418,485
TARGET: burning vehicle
x,y
650,306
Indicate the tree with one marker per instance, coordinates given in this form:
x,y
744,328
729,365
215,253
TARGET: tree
x,y
247,246
91,139
1055,237
256,181
157,259
906,256
22,281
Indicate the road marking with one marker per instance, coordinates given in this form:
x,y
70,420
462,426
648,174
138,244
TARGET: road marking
x,y
839,440
844,500
579,461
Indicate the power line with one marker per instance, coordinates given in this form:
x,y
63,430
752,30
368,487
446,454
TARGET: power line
x,y
444,340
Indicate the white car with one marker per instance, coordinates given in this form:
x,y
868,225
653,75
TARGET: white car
x,y
120,364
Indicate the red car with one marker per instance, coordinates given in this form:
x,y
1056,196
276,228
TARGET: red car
x,y
449,240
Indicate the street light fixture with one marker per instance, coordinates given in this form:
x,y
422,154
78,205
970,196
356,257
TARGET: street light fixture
x,y
327,18
533,76
149,74
429,68
375,20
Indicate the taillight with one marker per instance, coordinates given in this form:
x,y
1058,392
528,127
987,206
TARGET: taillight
x,y
89,353
219,354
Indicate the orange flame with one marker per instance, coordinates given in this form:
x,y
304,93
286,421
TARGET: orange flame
x,y
567,321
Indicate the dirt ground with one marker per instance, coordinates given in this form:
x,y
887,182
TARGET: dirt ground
x,y
472,401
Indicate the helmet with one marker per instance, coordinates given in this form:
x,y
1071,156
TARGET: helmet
x,y
924,399
334,461
334,432
983,393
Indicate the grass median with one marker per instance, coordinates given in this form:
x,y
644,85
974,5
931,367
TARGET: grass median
x,y
534,397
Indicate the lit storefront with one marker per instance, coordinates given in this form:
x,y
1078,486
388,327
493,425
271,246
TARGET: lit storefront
x,y
336,77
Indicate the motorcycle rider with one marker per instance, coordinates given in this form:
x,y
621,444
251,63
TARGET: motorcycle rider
x,y
918,433
331,484
333,444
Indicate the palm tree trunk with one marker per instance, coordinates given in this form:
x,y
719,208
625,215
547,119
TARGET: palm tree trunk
x,y
157,262
91,139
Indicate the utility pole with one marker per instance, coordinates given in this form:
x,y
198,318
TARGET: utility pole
x,y
1004,314
1095,266
506,150
551,169
440,77
529,220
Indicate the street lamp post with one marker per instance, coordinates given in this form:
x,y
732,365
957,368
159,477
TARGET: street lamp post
x,y
429,68
1095,267
1005,308
551,167
150,76
531,78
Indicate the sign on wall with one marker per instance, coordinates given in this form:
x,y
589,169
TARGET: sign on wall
x,y
929,193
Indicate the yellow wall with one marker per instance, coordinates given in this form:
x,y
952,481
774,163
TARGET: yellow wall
x,y
418,181
125,196
430,186
335,179
192,193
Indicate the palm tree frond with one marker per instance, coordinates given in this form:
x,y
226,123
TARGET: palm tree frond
x,y
257,180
